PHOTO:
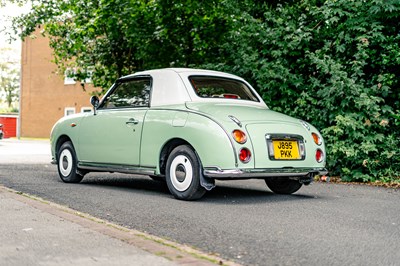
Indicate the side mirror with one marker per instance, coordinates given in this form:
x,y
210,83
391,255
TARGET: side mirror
x,y
94,100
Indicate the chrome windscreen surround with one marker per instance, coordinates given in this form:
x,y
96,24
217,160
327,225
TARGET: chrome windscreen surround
x,y
217,173
270,147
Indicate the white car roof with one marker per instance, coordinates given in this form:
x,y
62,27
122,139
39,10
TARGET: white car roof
x,y
185,71
172,86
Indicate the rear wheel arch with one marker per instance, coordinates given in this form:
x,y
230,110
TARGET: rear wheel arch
x,y
167,149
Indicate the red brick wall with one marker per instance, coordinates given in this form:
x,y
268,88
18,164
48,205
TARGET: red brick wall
x,y
44,96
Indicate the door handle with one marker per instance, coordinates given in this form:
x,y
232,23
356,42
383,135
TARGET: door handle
x,y
132,121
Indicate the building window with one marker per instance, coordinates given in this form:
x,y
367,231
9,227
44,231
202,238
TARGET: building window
x,y
68,79
89,78
69,111
86,109
71,72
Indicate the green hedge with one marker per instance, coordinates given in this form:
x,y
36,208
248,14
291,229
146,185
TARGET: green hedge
x,y
335,64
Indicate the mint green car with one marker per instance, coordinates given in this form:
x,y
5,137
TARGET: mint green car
x,y
188,127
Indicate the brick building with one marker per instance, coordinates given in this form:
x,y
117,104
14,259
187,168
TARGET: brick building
x,y
45,95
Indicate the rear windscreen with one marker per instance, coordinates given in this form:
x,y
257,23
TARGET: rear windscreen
x,y
217,87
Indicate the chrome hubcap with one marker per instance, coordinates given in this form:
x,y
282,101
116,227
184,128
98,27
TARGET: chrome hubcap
x,y
180,173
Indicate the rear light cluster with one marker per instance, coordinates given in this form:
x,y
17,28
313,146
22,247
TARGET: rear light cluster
x,y
240,137
319,154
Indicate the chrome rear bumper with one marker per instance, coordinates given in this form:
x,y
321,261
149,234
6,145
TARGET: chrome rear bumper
x,y
217,173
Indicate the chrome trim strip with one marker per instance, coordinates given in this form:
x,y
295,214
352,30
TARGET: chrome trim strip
x,y
128,169
215,172
234,119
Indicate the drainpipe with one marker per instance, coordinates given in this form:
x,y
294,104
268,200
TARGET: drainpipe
x,y
19,97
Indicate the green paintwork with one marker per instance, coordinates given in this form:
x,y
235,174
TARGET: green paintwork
x,y
106,138
244,111
206,137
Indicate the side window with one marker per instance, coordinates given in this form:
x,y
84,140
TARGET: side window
x,y
130,93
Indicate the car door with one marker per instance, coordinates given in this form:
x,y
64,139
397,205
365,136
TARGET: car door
x,y
113,135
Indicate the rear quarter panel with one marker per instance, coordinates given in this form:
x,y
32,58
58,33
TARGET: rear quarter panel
x,y
207,137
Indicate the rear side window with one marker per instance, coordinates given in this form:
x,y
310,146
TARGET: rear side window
x,y
129,93
218,87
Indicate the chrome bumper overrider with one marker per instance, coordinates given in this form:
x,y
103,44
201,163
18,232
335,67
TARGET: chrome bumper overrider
x,y
215,172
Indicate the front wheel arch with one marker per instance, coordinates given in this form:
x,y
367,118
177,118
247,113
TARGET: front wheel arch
x,y
60,141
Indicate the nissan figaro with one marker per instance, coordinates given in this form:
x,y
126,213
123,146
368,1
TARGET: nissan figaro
x,y
188,127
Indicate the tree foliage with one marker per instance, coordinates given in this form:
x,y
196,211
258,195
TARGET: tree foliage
x,y
334,63
111,38
9,79
9,84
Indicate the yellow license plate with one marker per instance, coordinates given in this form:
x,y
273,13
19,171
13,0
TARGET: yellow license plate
x,y
286,150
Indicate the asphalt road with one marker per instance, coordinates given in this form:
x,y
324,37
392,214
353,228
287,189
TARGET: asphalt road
x,y
322,224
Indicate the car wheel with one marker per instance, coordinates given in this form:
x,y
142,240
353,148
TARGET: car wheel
x,y
283,185
183,174
67,164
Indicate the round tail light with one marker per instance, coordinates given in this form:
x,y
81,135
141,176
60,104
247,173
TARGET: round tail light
x,y
319,155
239,136
244,155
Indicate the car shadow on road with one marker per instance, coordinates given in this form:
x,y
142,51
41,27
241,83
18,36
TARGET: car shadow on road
x,y
123,181
232,193
240,195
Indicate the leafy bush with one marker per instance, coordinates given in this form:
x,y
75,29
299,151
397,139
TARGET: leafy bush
x,y
335,65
